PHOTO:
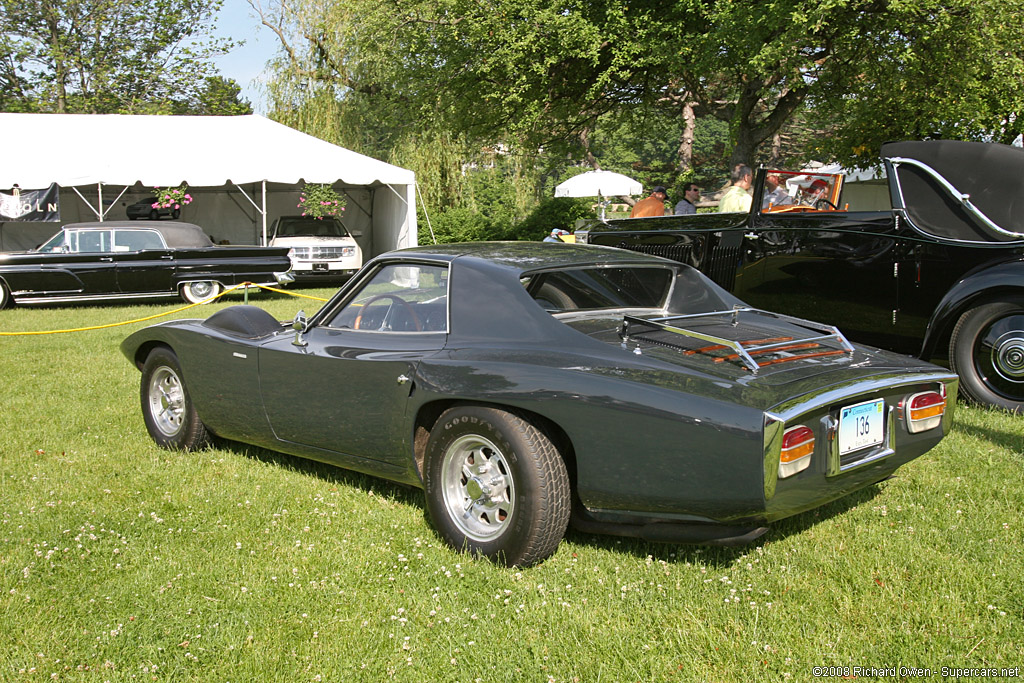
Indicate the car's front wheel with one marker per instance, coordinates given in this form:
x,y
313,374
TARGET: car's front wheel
x,y
170,416
154,215
5,296
987,351
496,485
198,292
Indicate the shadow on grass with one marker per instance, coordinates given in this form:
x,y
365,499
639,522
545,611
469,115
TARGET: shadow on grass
x,y
1013,442
724,556
715,556
332,474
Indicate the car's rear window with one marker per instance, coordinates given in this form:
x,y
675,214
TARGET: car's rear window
x,y
600,287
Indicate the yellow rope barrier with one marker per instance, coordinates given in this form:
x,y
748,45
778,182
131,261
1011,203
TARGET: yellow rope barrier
x,y
160,315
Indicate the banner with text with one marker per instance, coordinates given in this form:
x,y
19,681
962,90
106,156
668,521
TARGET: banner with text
x,y
31,205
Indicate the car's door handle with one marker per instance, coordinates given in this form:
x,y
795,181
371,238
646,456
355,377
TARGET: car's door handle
x,y
402,379
106,258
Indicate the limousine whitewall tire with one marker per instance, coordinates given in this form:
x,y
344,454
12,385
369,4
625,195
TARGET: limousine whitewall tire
x,y
5,296
167,409
200,291
987,350
496,485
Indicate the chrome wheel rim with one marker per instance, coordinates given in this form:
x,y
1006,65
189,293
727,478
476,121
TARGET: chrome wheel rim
x,y
166,401
201,290
999,356
477,487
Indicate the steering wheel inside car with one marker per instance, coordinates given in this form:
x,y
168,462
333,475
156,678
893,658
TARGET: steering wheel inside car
x,y
393,298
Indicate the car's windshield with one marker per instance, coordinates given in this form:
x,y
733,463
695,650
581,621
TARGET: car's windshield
x,y
55,243
398,298
600,287
307,226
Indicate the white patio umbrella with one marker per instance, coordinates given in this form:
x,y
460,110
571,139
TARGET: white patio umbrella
x,y
602,184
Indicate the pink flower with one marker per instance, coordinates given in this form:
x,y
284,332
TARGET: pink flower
x,y
176,207
156,206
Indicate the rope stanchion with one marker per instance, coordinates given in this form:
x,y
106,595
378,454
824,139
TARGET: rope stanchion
x,y
246,285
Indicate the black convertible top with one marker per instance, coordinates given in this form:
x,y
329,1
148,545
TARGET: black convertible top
x,y
991,174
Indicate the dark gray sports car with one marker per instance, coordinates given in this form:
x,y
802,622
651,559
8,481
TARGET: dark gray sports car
x,y
523,385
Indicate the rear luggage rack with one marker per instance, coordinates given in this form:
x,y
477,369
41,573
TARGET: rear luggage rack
x,y
745,350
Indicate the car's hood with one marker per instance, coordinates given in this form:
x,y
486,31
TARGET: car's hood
x,y
305,240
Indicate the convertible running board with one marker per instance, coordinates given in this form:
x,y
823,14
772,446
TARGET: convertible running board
x,y
671,532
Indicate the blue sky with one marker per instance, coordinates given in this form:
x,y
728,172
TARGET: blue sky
x,y
238,21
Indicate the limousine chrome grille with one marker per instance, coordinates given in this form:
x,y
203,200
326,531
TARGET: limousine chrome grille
x,y
745,342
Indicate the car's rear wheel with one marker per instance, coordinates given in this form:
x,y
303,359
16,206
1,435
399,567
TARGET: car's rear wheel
x,y
200,291
496,485
175,214
170,416
987,351
5,296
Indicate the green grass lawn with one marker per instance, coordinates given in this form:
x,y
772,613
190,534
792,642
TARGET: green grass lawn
x,y
121,561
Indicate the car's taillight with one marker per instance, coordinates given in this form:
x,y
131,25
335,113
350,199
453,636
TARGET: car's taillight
x,y
923,411
797,447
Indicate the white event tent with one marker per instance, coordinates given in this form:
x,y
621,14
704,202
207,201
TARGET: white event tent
x,y
242,171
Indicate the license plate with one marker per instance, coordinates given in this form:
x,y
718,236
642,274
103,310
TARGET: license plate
x,y
861,425
320,266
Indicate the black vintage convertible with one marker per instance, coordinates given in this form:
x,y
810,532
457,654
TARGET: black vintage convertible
x,y
934,266
134,260
522,385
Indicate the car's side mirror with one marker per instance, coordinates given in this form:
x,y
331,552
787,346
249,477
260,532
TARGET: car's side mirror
x,y
299,324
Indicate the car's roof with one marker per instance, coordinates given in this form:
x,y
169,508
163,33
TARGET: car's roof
x,y
527,256
990,174
176,234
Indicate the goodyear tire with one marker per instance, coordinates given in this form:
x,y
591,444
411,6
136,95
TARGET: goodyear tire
x,y
171,418
496,486
987,350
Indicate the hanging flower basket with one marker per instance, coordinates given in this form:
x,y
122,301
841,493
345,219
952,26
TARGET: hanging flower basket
x,y
172,198
318,201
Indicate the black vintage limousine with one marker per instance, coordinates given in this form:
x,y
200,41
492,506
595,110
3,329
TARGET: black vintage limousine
x,y
134,260
937,272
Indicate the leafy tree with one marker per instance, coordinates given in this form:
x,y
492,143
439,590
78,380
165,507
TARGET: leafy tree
x,y
543,73
111,56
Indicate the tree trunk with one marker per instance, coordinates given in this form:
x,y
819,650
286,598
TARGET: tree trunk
x,y
685,151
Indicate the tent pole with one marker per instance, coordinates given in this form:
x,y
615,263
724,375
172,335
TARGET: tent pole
x,y
99,192
264,212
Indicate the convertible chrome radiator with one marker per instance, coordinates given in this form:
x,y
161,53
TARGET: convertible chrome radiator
x,y
745,350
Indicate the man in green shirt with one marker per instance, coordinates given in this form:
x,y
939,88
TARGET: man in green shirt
x,y
737,198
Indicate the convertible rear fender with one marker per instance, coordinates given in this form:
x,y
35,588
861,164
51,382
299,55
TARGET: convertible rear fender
x,y
988,283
